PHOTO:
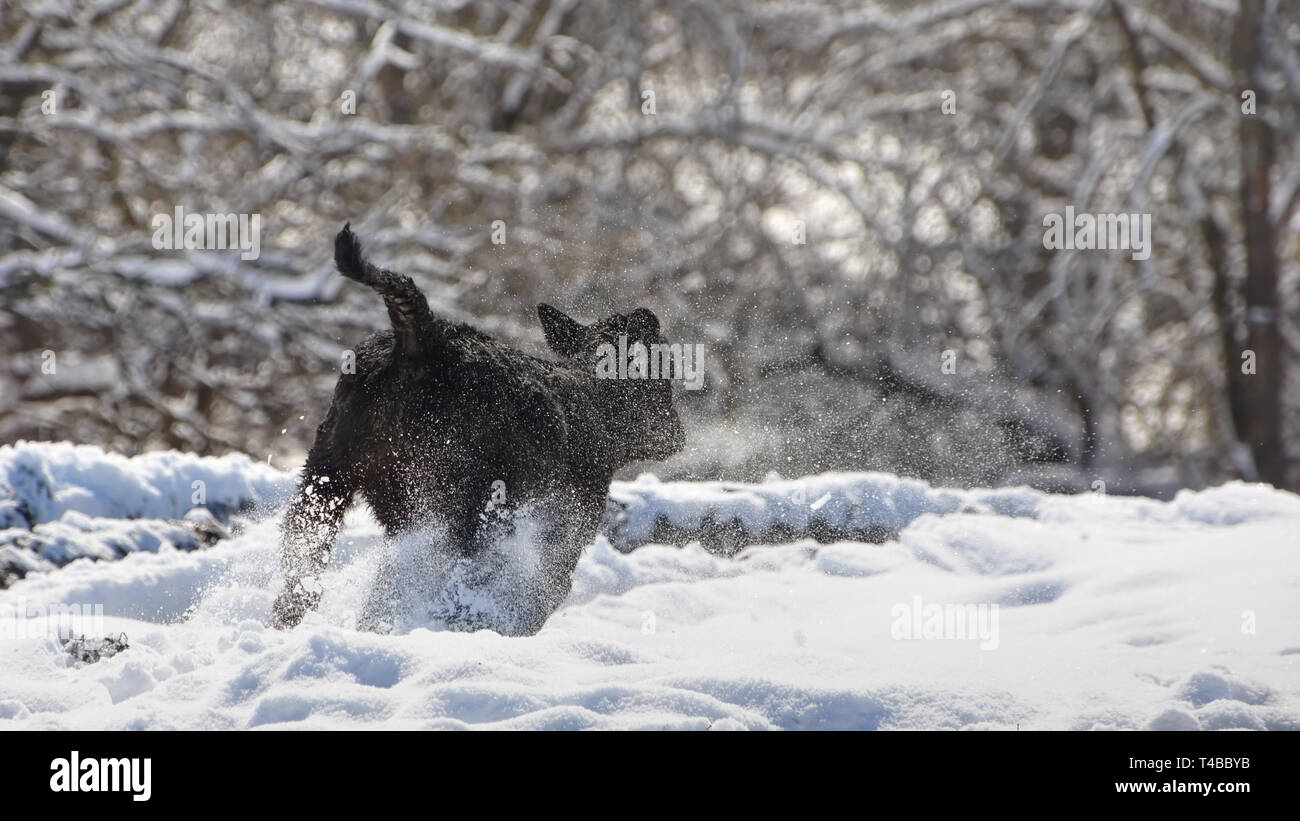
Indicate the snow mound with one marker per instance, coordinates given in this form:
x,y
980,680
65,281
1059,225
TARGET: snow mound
x,y
41,481
61,502
727,516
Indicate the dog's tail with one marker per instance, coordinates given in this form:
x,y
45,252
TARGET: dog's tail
x,y
413,322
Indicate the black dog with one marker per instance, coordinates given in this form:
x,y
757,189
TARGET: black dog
x,y
439,419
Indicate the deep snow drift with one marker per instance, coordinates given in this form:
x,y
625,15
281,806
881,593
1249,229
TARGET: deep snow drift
x,y
991,609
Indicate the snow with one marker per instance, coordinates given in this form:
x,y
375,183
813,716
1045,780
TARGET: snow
x,y
1111,613
61,502
39,482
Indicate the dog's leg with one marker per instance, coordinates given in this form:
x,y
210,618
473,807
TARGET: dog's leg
x,y
563,538
310,525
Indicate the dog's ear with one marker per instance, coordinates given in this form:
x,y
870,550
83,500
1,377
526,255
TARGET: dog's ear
x,y
642,324
563,334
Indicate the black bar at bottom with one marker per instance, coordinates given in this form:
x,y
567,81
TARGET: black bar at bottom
x,y
327,770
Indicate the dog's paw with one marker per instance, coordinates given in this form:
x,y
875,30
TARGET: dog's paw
x,y
292,604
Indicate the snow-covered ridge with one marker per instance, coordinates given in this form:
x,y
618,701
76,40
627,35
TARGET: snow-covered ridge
x,y
60,502
727,516
40,481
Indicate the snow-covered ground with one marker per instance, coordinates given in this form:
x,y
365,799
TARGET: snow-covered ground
x,y
1086,612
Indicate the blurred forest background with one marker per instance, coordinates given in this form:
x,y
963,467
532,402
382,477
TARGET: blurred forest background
x,y
919,142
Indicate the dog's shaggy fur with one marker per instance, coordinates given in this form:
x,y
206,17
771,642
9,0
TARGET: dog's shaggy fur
x,y
436,413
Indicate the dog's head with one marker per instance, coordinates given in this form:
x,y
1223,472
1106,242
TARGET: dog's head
x,y
640,410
